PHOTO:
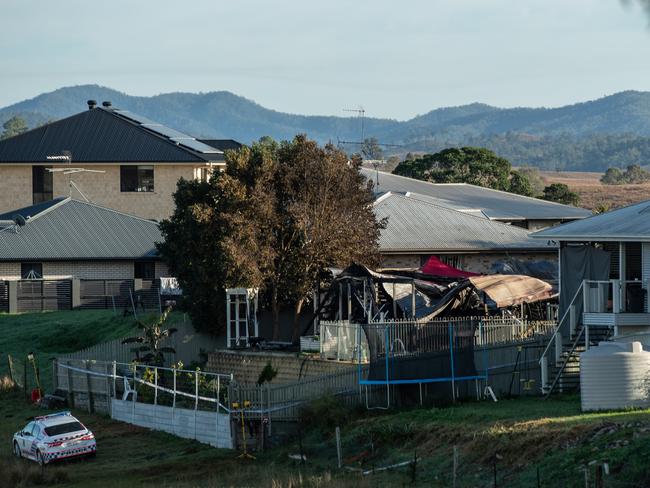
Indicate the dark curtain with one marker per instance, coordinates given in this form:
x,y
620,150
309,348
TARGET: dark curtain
x,y
579,263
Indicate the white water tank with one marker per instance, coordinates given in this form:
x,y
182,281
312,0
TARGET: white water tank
x,y
615,375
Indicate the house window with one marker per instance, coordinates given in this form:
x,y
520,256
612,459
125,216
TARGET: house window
x,y
136,178
31,271
144,270
41,184
202,174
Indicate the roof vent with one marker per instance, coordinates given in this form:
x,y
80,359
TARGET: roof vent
x,y
106,104
91,104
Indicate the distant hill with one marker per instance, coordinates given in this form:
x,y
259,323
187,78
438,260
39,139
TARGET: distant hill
x,y
610,131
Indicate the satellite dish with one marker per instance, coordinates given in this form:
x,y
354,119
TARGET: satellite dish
x,y
19,220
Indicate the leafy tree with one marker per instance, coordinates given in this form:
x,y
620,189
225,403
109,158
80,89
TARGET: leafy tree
x,y
14,126
560,193
475,165
534,178
636,174
276,218
613,176
153,333
520,184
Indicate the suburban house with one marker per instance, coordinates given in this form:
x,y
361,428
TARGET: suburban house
x,y
108,156
526,212
418,227
604,270
53,249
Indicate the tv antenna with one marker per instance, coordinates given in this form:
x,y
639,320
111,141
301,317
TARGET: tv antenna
x,y
361,113
69,170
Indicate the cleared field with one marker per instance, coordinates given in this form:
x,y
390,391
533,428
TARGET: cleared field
x,y
594,194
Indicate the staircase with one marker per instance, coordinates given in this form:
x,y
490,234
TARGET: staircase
x,y
564,373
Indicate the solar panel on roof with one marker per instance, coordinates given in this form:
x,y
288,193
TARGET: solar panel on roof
x,y
134,117
167,131
198,146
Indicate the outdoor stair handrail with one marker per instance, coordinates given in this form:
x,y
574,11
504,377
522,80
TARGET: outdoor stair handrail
x,y
566,361
559,324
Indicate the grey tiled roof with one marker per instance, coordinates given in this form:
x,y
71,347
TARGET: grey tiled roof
x,y
106,135
496,205
74,230
630,223
416,225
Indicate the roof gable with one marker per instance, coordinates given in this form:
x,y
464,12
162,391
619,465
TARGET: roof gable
x,y
74,230
104,135
416,225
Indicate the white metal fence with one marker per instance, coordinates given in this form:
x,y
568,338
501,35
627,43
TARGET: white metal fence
x,y
341,340
191,404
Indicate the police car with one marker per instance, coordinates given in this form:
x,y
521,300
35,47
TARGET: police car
x,y
54,437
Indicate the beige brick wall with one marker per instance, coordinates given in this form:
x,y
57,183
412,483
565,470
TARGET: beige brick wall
x,y
89,270
482,263
9,271
15,187
104,189
477,263
400,261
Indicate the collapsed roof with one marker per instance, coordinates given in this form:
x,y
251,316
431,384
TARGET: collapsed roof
x,y
369,295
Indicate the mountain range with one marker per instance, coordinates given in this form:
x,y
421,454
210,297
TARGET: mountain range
x,y
589,136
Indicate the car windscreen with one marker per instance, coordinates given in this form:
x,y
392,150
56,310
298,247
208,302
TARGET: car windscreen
x,y
66,428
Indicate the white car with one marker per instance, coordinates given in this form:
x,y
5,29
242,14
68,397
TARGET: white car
x,y
54,437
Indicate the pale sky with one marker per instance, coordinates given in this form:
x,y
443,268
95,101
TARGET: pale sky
x,y
395,58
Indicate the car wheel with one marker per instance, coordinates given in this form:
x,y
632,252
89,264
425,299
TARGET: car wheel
x,y
39,458
17,452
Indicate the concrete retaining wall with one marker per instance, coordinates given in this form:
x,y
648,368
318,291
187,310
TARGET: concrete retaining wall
x,y
207,427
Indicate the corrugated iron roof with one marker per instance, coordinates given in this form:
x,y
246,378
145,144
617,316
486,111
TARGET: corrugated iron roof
x,y
416,225
630,223
105,135
73,230
495,204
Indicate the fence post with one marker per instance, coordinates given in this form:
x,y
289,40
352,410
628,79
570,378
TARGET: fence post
x,y
114,378
155,388
12,296
89,388
338,446
55,374
451,358
75,293
70,385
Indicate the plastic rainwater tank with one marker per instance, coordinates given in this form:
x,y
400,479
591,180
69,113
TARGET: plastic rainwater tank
x,y
615,375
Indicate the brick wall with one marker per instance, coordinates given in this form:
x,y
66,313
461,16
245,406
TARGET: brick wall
x,y
9,271
477,263
104,189
89,270
15,187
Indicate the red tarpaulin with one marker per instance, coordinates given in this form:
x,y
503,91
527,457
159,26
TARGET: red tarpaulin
x,y
436,267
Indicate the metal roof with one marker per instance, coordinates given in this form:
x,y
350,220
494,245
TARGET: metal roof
x,y
495,204
222,144
69,229
416,225
106,135
630,223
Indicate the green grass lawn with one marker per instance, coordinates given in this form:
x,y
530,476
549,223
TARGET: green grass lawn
x,y
50,334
